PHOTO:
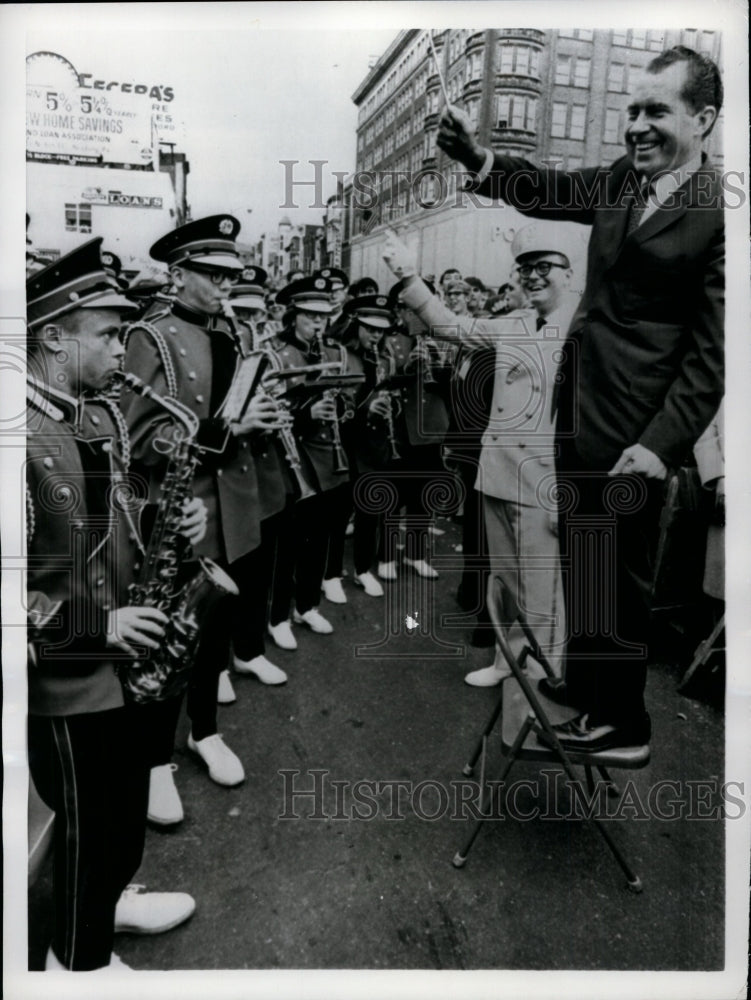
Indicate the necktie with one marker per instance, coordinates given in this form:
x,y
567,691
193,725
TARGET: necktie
x,y
636,207
541,321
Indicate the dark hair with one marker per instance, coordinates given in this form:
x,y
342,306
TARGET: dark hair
x,y
449,270
356,289
475,283
703,84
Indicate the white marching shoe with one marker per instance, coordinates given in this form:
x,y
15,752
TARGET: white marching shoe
x,y
490,676
224,765
282,635
333,590
422,568
139,912
225,694
165,807
314,620
266,671
369,584
387,570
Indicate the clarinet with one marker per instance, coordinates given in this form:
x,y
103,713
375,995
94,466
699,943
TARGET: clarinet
x,y
164,673
381,374
341,465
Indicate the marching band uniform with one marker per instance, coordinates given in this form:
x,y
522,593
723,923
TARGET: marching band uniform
x,y
86,760
192,355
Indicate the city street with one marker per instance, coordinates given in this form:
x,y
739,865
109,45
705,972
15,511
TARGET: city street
x,y
342,892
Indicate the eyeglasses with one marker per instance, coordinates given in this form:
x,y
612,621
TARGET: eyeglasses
x,y
541,267
217,276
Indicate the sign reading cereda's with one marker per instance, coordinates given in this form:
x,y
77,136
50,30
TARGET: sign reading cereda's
x,y
72,116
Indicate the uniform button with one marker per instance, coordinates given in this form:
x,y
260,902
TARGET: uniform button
x,y
183,352
48,463
535,388
100,582
243,444
191,376
500,409
136,567
95,419
107,446
106,607
132,536
244,468
219,472
199,398
528,416
494,437
173,329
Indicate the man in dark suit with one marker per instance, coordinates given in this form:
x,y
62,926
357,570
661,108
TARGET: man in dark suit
x,y
642,373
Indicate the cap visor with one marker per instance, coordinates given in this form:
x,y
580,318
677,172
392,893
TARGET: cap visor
x,y
248,302
378,322
224,261
108,300
314,306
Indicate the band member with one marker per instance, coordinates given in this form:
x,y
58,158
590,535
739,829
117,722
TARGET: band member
x,y
339,281
421,421
86,755
190,351
302,343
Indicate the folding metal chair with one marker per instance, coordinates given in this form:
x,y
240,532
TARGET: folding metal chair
x,y
520,706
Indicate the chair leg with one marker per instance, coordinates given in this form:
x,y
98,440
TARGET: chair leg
x,y
612,787
489,796
469,767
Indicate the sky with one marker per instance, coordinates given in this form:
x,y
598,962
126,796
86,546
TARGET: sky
x,y
249,97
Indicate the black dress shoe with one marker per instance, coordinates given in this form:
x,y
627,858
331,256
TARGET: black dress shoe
x,y
556,691
582,735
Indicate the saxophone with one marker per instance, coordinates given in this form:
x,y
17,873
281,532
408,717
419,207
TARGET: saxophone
x,y
164,673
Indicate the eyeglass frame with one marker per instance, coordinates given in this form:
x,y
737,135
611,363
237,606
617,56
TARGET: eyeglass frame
x,y
525,270
216,275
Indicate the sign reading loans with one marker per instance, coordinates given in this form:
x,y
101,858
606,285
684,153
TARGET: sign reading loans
x,y
68,121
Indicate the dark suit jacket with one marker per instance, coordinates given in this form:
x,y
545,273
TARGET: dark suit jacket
x,y
644,360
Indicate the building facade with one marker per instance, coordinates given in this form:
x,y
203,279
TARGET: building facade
x,y
556,97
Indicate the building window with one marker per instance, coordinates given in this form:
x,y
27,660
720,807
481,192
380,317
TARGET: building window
x,y
534,66
558,127
563,70
522,60
531,114
656,41
616,77
690,36
706,45
620,38
473,110
567,33
638,39
578,121
78,218
581,72
586,34
507,59
503,112
612,125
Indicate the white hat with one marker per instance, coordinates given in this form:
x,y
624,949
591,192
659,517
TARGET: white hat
x,y
544,237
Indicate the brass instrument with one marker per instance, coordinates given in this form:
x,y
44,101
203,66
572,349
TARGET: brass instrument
x,y
341,464
384,369
274,387
164,673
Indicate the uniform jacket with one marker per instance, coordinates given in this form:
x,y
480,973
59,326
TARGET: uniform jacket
x,y
645,354
517,457
81,526
194,358
367,434
315,437
425,413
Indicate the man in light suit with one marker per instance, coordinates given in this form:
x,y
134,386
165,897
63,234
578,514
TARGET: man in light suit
x,y
642,374
515,474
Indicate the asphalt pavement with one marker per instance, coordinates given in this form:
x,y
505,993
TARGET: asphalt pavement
x,y
336,852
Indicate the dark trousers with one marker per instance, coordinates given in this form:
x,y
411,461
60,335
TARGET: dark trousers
x,y
476,570
412,476
608,533
91,771
342,501
313,525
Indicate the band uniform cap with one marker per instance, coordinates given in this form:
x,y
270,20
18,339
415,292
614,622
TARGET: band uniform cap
x,y
312,293
79,280
542,237
371,310
335,275
114,266
208,242
250,286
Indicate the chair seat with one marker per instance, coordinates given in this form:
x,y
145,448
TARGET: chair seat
x,y
516,708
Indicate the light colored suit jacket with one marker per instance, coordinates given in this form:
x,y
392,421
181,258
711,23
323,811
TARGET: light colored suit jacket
x,y
517,458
